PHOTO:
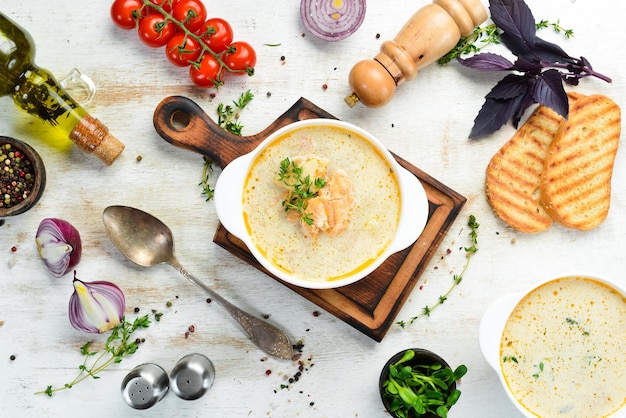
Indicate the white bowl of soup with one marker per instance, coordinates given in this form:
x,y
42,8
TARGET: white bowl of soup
x,y
321,203
559,349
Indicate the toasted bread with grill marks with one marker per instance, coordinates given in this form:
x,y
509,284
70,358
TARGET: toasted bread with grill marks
x,y
576,179
513,175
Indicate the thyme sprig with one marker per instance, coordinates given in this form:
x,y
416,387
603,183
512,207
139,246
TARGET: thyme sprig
x,y
227,118
118,345
456,278
301,189
482,36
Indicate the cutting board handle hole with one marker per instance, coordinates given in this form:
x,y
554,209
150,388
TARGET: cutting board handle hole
x,y
179,120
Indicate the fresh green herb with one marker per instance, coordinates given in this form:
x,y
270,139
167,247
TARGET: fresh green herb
x,y
227,118
575,323
118,345
207,169
456,278
540,370
490,35
272,44
301,189
420,389
506,359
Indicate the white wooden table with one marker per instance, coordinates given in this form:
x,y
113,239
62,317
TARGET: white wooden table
x,y
427,123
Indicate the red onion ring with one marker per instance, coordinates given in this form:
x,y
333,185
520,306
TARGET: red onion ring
x,y
332,20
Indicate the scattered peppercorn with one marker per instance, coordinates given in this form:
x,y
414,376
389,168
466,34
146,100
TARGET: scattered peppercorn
x,y
12,357
378,36
266,316
157,315
316,313
268,372
192,328
136,309
139,158
282,57
325,86
16,176
13,249
208,300
168,304
268,94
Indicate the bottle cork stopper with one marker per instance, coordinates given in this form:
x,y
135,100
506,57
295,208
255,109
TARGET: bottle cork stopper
x,y
91,136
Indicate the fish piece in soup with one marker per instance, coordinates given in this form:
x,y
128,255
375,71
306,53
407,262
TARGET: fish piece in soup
x,y
331,209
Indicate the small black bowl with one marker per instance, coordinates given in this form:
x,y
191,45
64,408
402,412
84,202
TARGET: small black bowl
x,y
38,170
422,357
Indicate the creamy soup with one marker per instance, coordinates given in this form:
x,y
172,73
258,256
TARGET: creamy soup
x,y
563,349
374,216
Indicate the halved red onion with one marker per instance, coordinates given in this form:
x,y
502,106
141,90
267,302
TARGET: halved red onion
x,y
96,307
332,20
59,245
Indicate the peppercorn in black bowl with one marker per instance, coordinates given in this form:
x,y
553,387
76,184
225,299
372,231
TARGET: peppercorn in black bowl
x,y
22,177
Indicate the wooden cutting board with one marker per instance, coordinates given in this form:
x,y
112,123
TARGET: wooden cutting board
x,y
369,305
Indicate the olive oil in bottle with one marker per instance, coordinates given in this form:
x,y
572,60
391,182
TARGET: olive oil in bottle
x,y
37,92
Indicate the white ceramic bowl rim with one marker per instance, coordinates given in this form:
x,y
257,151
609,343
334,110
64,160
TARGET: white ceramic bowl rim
x,y
494,320
231,182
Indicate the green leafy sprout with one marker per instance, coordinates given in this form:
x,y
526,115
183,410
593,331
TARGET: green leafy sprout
x,y
456,278
490,35
228,119
118,345
301,189
414,390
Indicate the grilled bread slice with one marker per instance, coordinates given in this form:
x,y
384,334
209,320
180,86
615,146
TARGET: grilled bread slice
x,y
513,175
576,179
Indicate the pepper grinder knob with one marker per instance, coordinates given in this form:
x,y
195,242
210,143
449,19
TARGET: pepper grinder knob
x,y
427,36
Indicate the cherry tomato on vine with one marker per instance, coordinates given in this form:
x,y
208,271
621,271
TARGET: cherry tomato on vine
x,y
217,34
125,12
208,73
182,50
191,12
240,57
155,31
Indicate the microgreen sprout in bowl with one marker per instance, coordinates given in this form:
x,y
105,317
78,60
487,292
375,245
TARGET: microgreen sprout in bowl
x,y
418,383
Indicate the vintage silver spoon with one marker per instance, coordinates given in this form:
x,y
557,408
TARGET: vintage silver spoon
x,y
147,241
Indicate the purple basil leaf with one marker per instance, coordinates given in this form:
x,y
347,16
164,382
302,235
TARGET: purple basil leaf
x,y
501,104
487,62
509,87
525,103
525,66
572,80
551,53
517,23
548,91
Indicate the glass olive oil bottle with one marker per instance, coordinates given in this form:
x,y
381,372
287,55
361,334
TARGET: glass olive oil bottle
x,y
37,92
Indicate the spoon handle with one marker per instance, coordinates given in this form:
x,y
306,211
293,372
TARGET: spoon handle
x,y
266,336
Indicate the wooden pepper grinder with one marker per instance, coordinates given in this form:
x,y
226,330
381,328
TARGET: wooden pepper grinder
x,y
430,34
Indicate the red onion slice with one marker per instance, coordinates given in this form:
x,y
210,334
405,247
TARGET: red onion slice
x,y
96,307
332,20
59,245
